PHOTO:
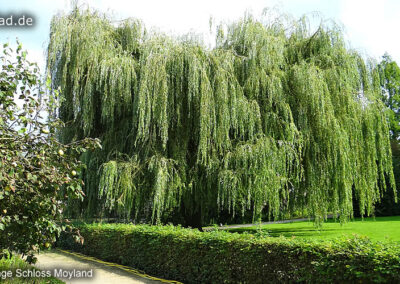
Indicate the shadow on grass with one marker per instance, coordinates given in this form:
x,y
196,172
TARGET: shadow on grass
x,y
301,232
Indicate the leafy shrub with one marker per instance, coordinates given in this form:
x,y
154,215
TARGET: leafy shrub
x,y
221,257
38,174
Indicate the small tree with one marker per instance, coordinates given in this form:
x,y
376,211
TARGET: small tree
x,y
37,173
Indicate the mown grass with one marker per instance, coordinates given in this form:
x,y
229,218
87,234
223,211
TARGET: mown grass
x,y
14,263
378,229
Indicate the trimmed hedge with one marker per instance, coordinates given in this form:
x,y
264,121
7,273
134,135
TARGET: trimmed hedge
x,y
191,256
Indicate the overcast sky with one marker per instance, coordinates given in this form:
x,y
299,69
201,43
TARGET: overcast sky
x,y
371,26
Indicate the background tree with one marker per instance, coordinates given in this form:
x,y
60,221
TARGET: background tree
x,y
275,118
390,83
37,173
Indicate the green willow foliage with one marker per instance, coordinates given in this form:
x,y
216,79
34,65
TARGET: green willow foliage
x,y
273,117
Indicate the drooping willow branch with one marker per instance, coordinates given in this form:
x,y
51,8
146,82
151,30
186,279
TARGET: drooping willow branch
x,y
267,118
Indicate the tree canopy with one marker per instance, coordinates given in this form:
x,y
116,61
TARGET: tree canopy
x,y
275,117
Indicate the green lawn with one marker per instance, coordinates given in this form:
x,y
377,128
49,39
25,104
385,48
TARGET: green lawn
x,y
379,228
14,263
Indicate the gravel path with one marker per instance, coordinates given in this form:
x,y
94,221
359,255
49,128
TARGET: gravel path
x,y
101,273
255,224
262,223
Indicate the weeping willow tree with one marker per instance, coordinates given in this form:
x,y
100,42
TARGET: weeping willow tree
x,y
275,118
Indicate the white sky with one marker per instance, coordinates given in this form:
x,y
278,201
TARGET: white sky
x,y
370,25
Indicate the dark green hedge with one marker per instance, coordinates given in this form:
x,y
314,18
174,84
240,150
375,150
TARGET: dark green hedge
x,y
221,257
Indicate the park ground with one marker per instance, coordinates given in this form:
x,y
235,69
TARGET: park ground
x,y
377,229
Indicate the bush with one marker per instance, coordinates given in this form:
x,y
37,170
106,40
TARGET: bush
x,y
221,257
38,173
